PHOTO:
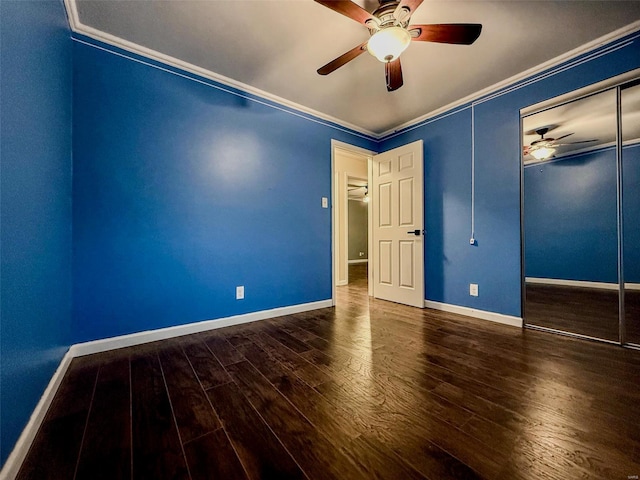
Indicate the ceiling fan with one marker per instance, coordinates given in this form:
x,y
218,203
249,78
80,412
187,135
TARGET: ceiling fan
x,y
544,148
353,188
391,34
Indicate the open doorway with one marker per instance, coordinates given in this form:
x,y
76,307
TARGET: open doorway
x,y
358,231
350,167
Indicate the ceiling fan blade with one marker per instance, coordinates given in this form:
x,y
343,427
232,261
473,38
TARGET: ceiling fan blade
x,y
575,143
342,59
458,33
349,9
563,136
393,73
410,5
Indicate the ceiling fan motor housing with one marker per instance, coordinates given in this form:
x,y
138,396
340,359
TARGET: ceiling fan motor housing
x,y
385,14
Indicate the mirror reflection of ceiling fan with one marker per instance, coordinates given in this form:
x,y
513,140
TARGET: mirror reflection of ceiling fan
x,y
357,188
391,34
544,148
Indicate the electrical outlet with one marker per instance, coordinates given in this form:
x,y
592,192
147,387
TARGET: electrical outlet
x,y
362,254
240,292
473,289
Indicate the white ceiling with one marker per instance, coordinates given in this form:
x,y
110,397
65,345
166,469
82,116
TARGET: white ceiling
x,y
276,46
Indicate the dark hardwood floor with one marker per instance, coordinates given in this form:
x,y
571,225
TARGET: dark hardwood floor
x,y
632,314
368,389
586,311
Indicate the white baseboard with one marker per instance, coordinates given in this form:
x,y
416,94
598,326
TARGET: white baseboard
x,y
473,312
342,283
22,446
364,260
97,346
580,283
571,283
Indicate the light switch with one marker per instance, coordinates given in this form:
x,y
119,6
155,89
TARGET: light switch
x,y
325,202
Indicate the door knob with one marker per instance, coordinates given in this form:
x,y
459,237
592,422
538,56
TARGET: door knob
x,y
417,233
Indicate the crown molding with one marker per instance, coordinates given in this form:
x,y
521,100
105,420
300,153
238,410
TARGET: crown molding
x,y
269,99
494,90
78,27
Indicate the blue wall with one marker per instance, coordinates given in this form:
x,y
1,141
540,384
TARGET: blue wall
x,y
570,217
183,191
448,213
631,212
571,223
494,263
35,206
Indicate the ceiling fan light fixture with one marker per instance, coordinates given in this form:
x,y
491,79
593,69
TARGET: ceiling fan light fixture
x,y
542,153
366,198
388,43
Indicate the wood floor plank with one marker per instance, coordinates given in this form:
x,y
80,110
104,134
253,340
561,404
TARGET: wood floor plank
x,y
207,367
373,458
317,455
388,388
578,443
483,408
241,334
157,452
259,450
211,457
191,408
54,452
412,444
335,423
223,350
376,407
288,324
335,362
287,340
326,335
393,379
106,448
301,367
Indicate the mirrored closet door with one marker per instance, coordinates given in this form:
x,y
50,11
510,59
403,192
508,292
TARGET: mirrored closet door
x,y
581,215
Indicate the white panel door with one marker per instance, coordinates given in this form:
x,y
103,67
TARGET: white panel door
x,y
398,240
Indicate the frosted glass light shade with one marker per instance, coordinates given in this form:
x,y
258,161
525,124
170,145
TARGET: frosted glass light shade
x,y
387,44
543,153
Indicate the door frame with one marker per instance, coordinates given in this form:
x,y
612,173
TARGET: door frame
x,y
336,144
